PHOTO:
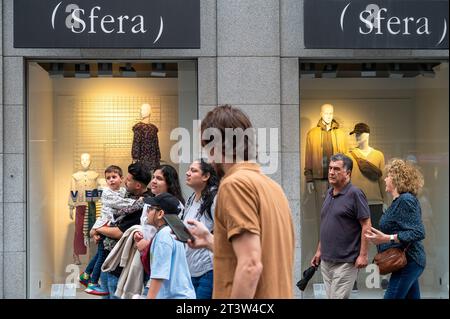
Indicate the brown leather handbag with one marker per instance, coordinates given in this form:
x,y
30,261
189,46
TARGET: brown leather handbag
x,y
391,260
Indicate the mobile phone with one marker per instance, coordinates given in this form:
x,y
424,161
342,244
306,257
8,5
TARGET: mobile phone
x,y
178,227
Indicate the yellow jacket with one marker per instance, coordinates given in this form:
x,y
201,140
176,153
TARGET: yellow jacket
x,y
314,149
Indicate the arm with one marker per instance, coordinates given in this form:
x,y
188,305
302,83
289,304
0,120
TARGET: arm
x,y
111,232
155,286
362,260
410,221
135,147
114,200
308,160
247,248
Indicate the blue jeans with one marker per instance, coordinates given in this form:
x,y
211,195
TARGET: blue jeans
x,y
109,283
203,285
95,265
404,284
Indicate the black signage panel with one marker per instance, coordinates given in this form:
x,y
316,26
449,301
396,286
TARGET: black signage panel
x,y
171,24
376,24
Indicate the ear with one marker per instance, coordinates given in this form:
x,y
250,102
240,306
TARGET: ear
x,y
160,214
205,177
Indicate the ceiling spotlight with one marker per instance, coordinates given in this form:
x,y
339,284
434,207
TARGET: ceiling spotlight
x,y
127,70
56,70
395,71
307,71
368,70
104,69
158,70
82,70
330,71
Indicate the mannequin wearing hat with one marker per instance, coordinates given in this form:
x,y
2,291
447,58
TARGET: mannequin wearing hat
x,y
145,140
367,174
322,141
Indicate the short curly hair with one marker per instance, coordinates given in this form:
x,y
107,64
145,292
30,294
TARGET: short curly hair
x,y
406,177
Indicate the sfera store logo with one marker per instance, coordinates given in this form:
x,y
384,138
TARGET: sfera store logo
x,y
97,20
376,20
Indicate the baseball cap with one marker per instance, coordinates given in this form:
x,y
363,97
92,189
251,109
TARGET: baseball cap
x,y
360,128
167,202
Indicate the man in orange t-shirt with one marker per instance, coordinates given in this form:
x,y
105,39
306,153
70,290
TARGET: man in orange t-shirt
x,y
253,232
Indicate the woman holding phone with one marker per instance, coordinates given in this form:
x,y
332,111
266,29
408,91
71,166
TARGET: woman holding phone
x,y
202,178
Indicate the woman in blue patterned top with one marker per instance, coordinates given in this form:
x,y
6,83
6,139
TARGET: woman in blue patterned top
x,y
401,226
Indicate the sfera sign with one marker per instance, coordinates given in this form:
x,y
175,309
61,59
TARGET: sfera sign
x,y
107,24
403,24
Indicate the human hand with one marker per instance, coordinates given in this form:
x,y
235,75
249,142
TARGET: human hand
x,y
376,236
97,238
138,236
310,187
315,261
93,232
362,261
202,237
140,199
86,241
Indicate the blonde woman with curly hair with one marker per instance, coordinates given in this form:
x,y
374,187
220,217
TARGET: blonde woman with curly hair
x,y
401,226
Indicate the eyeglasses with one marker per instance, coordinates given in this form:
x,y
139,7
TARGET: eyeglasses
x,y
153,207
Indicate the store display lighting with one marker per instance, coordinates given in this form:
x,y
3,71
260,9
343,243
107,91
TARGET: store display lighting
x,y
56,70
128,70
395,72
105,69
368,70
158,70
330,71
426,70
82,70
307,70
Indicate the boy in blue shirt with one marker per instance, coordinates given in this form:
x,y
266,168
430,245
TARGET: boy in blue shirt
x,y
170,277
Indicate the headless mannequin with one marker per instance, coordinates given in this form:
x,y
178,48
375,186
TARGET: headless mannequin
x,y
82,181
145,145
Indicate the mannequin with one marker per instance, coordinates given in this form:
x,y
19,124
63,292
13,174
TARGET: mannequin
x,y
322,141
84,184
145,140
365,176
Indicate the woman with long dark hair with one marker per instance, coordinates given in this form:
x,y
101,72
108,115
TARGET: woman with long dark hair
x,y
202,178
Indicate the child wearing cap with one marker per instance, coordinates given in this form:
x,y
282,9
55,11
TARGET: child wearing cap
x,y
170,277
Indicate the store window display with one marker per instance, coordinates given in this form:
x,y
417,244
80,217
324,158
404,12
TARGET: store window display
x,y
82,198
145,140
322,141
367,174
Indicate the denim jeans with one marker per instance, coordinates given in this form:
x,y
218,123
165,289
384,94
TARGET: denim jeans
x,y
203,285
94,267
404,284
109,283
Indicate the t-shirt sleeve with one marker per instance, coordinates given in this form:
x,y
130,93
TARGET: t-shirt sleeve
x,y
161,257
240,213
361,205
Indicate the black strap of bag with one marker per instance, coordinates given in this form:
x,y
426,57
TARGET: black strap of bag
x,y
368,169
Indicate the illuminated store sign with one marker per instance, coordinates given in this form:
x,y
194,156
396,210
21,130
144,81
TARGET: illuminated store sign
x,y
107,24
376,24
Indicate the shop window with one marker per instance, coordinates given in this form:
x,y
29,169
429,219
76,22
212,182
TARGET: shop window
x,y
90,107
405,106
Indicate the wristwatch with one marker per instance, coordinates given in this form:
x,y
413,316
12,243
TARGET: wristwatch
x,y
391,239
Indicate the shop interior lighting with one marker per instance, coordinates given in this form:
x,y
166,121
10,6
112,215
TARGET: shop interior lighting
x,y
395,71
329,71
82,70
158,70
56,70
426,69
307,70
128,70
368,70
105,69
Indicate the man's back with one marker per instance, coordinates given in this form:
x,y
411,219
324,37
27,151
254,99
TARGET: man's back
x,y
250,201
